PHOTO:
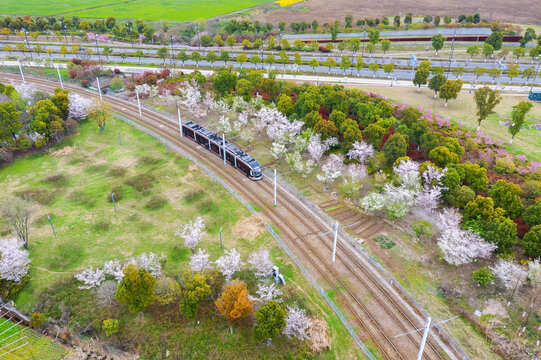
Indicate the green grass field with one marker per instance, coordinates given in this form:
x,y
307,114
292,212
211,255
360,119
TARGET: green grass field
x,y
159,193
19,343
167,10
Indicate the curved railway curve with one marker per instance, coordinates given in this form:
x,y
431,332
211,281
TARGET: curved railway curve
x,y
372,305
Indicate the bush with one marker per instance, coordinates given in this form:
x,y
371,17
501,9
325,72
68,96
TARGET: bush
x,y
80,197
504,166
441,156
37,320
460,197
141,183
395,147
110,326
41,142
532,214
9,288
483,276
531,189
40,195
502,232
57,179
116,84
422,227
72,126
156,202
532,242
102,225
118,194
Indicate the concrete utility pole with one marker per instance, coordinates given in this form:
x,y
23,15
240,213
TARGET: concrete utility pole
x,y
274,187
21,70
119,139
179,122
113,198
138,103
223,146
52,227
99,88
59,77
221,246
423,342
335,239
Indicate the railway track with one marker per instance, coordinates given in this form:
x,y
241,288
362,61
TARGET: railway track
x,y
378,311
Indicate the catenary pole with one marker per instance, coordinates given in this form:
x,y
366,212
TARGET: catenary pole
x,y
99,88
179,122
223,146
21,70
138,103
274,187
59,77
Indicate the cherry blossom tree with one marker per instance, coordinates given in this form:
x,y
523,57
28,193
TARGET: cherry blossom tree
x,y
534,273
114,268
408,174
25,90
192,232
150,262
191,100
512,275
361,152
14,260
90,278
316,147
278,150
297,323
261,261
200,260
457,245
267,291
229,263
332,168
78,106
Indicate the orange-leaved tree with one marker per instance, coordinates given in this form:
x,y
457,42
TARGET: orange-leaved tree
x,y
234,302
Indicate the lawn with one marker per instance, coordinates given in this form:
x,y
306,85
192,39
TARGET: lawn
x,y
463,109
167,10
154,194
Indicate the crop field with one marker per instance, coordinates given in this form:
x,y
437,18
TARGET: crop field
x,y
167,10
155,193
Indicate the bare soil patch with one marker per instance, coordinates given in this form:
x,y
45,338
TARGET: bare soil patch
x,y
66,150
524,12
249,228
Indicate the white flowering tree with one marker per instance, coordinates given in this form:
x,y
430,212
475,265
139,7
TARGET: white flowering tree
x,y
261,262
278,150
150,262
511,275
361,152
229,263
192,232
192,100
408,175
457,245
14,260
78,106
114,268
200,260
267,291
316,148
297,323
90,278
332,169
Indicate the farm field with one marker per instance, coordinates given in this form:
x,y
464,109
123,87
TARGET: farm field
x,y
154,194
168,10
462,111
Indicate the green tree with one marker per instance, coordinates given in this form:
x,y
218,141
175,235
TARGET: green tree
x,y
224,81
517,117
224,56
532,242
532,214
370,48
486,100
473,175
241,59
396,21
284,58
63,50
326,128
163,52
136,289
512,72
37,320
482,207
483,276
311,119
345,63
46,119
494,73
330,63
313,63
374,134
450,90
502,232
285,104
495,40
255,59
437,42
436,82
194,290
473,50
230,41
457,71
479,71
9,121
270,321
395,147
389,69
374,68
421,75
182,56
334,30
211,57
488,50
460,196
385,45
507,196
518,52
196,56
421,228
269,60
218,41
206,41
271,42
373,36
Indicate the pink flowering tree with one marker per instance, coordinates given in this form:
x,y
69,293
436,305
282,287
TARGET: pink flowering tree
x,y
261,262
332,169
229,263
297,323
199,261
361,152
14,260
